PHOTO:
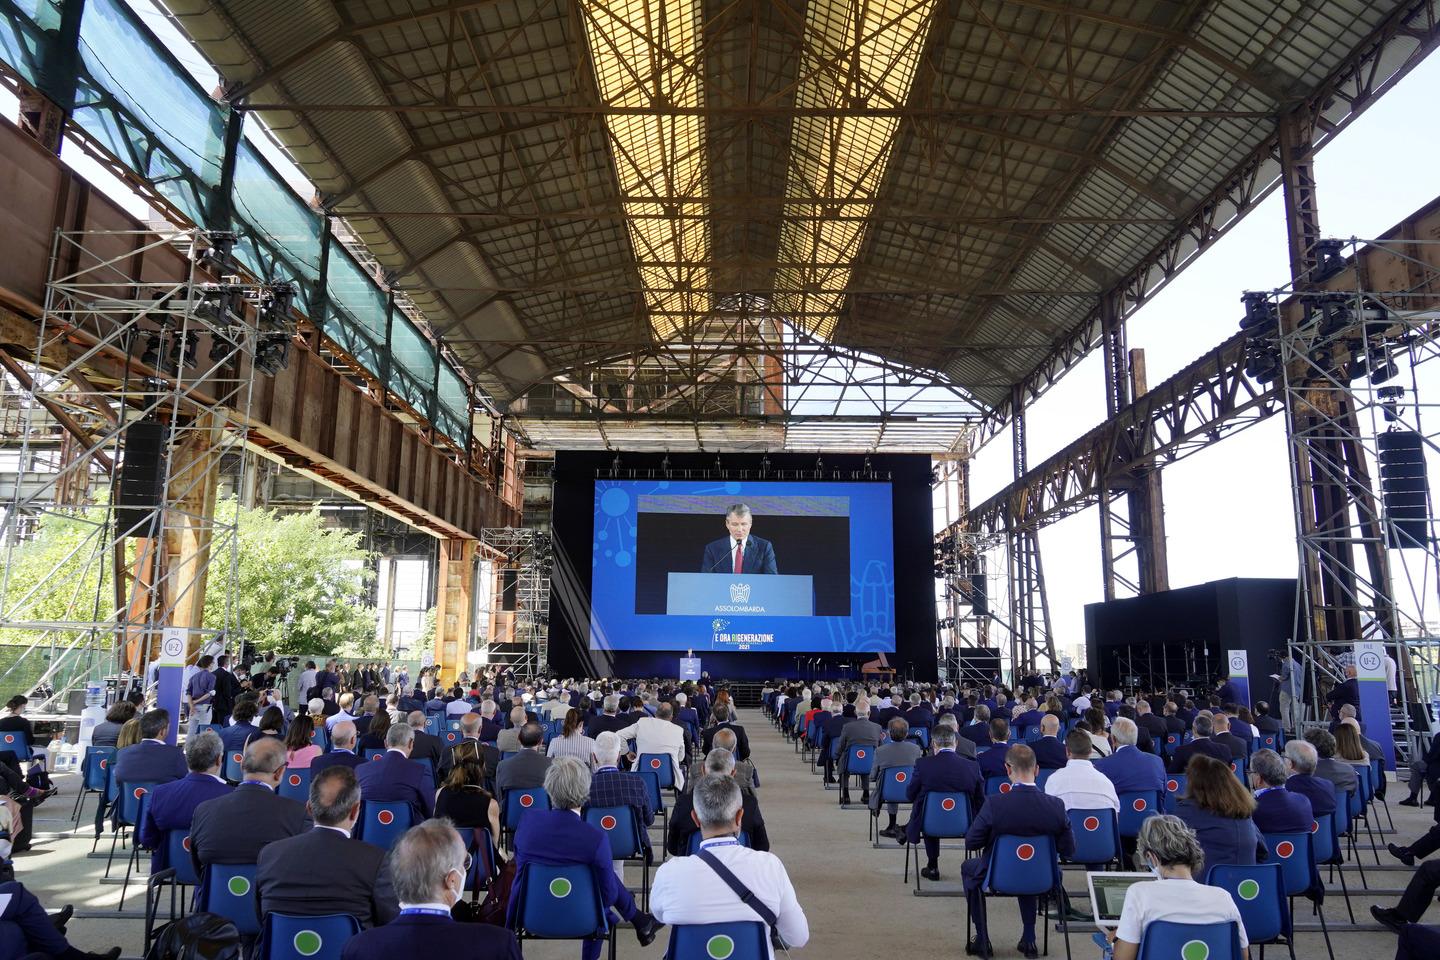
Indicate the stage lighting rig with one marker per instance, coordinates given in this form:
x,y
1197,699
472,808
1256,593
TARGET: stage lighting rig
x,y
219,256
1330,258
1390,399
272,353
274,310
151,356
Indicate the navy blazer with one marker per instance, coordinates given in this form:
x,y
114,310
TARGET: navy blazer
x,y
560,837
172,807
237,735
441,936
1205,745
1028,719
1283,811
1244,731
1025,811
335,758
234,828
1132,770
759,556
943,772
1224,839
25,927
1049,753
396,778
1319,791
150,762
977,733
992,761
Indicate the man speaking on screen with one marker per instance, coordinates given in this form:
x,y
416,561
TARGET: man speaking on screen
x,y
739,552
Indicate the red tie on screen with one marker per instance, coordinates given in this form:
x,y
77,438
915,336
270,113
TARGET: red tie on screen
x,y
739,555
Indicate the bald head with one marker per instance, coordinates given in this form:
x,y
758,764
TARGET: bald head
x,y
1049,725
343,735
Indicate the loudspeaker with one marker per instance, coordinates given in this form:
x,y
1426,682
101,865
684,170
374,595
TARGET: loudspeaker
x,y
979,602
508,580
1404,489
140,488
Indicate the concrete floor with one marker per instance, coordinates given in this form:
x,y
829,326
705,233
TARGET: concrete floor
x,y
852,894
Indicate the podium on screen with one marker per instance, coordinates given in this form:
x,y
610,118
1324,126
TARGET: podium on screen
x,y
740,595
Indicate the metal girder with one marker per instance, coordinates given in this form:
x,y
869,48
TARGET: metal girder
x,y
759,111
1410,34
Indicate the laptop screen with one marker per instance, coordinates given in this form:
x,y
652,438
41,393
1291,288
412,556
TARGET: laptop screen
x,y
1107,893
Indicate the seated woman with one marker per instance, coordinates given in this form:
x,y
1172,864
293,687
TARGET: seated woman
x,y
272,723
374,738
299,751
107,731
1168,847
572,741
1095,721
15,720
1218,809
463,797
559,836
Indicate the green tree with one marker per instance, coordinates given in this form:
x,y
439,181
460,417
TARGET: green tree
x,y
63,573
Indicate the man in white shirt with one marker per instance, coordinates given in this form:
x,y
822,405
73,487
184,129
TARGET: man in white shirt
x,y
687,890
1078,784
1081,703
659,734
306,681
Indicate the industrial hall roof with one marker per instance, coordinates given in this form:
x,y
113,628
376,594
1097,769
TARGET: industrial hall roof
x,y
623,211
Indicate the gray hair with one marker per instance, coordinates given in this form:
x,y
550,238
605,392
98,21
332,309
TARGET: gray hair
x,y
949,721
470,724
421,859
332,801
203,750
720,760
416,719
264,756
982,713
567,782
1124,731
399,735
487,708
724,738
898,729
607,748
738,510
716,799
1302,756
1203,725
944,736
611,704
1172,843
1267,765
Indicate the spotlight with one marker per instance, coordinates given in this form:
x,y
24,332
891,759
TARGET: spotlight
x,y
1329,260
1390,398
274,312
219,256
151,356
220,349
272,353
1261,314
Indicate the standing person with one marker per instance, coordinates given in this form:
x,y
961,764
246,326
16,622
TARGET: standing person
x,y
200,694
227,688
305,685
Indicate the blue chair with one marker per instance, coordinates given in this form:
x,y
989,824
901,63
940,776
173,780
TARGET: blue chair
x,y
859,762
1241,769
662,764
559,902
1295,854
1325,840
434,724
1164,940
373,754
306,938
1171,744
483,866
1040,777
1137,806
176,870
517,803
94,770
1097,837
17,743
320,737
507,754
734,941
383,822
622,829
1259,892
657,799
921,735
1024,867
944,816
893,783
1174,789
994,785
232,771
296,784
129,807
1272,741
1377,777
229,890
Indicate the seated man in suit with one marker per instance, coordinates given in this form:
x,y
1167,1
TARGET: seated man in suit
x,y
658,734
1327,767
426,746
1300,759
152,760
898,752
1049,751
526,770
992,761
395,777
963,747
978,732
858,732
470,727
1239,748
612,787
1264,723
172,805
682,824
1024,811
241,730
234,828
1079,785
508,740
1146,720
1129,768
342,750
429,866
744,769
1277,810
559,837
325,870
1202,743
942,772
831,728
26,930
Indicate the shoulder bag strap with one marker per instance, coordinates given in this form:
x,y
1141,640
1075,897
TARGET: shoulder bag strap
x,y
746,895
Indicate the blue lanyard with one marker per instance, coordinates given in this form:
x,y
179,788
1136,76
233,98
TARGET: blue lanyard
x,y
423,912
710,844
254,783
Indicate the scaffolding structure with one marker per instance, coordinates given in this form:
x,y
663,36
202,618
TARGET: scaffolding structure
x,y
144,386
522,569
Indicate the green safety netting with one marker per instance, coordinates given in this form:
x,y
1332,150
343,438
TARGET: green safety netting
x,y
278,235
20,38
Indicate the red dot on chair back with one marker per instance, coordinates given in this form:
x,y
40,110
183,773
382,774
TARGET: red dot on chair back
x,y
655,764
9,738
1284,849
294,779
947,804
1004,788
859,754
1172,785
185,843
1092,823
526,800
138,792
900,777
608,822
1139,804
1025,851
385,817
1314,826
238,758
104,764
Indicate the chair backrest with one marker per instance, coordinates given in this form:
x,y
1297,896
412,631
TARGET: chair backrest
x,y
1363,774
233,759
994,785
861,759
693,847
730,941
16,742
1272,741
1164,940
894,781
619,826
946,815
1040,777
307,938
1137,806
652,784
230,892
95,767
1325,837
520,802
1296,857
319,737
175,855
560,902
296,784
1241,769
1097,835
1022,866
373,754
132,798
481,847
660,763
383,822
434,724
1259,892
1174,790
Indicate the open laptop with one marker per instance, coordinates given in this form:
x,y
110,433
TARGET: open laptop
x,y
1107,895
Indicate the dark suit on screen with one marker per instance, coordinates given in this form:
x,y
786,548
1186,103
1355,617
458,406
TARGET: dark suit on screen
x,y
396,778
442,937
321,872
1024,811
759,556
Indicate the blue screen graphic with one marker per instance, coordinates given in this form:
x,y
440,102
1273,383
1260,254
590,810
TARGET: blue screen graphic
x,y
814,572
